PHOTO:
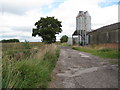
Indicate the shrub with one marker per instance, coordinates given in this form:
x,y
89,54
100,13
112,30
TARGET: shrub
x,y
64,39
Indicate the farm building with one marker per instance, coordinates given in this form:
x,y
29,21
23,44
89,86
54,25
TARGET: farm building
x,y
106,36
83,25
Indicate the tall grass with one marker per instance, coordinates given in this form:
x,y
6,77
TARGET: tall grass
x,y
31,72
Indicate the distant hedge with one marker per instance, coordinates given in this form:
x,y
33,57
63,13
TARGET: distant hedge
x,y
10,40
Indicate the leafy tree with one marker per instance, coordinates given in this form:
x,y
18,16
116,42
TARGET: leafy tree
x,y
47,28
64,39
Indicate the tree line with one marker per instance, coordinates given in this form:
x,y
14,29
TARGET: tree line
x,y
9,40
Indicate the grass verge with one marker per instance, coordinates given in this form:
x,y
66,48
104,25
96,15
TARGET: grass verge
x,y
30,72
103,53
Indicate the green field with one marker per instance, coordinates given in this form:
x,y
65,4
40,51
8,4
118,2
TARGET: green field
x,y
28,65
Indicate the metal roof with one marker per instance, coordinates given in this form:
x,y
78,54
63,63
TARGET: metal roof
x,y
108,27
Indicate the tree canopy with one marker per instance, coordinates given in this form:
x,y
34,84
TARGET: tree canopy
x,y
47,28
64,39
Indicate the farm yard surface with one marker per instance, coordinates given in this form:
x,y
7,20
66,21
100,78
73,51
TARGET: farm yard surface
x,y
77,69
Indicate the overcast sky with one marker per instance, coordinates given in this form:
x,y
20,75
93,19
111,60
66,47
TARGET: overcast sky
x,y
17,17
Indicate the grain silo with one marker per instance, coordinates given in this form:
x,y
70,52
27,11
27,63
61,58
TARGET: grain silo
x,y
83,25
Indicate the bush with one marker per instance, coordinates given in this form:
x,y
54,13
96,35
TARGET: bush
x,y
64,39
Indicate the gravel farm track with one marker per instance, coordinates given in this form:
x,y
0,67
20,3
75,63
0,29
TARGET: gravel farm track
x,y
76,69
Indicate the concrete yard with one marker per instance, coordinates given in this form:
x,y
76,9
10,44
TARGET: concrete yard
x,y
76,69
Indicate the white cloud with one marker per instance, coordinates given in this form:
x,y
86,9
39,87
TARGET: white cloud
x,y
66,12
21,6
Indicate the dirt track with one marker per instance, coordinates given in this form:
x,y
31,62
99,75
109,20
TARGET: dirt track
x,y
76,69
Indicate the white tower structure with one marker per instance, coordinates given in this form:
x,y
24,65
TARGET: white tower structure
x,y
83,21
83,25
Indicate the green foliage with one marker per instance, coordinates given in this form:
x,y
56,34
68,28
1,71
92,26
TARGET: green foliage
x,y
28,72
64,39
32,73
10,40
47,28
104,53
